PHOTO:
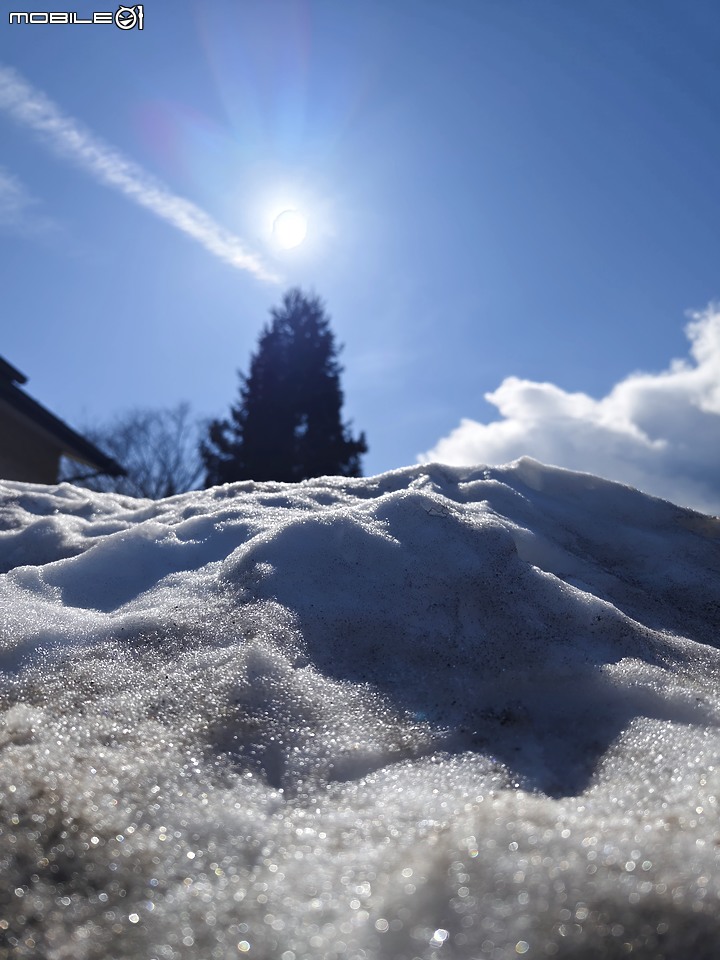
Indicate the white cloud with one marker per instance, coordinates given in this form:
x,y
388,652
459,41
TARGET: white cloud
x,y
659,432
68,137
14,200
18,208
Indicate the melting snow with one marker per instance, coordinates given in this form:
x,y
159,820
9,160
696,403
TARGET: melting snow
x,y
439,713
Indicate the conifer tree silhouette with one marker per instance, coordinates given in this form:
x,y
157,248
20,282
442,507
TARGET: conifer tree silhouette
x,y
287,423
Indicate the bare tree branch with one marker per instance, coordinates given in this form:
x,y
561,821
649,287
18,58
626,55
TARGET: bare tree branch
x,y
158,448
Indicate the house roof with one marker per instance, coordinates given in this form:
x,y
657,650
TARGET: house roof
x,y
70,442
11,373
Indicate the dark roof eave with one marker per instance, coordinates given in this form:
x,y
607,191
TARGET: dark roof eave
x,y
11,373
70,442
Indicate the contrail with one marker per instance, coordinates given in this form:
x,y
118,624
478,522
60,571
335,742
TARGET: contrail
x,y
14,199
33,109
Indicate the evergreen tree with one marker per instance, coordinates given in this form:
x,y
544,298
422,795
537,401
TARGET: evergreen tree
x,y
287,424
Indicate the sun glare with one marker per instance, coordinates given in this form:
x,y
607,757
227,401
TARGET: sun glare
x,y
289,229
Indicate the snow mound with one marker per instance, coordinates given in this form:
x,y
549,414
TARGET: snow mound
x,y
438,713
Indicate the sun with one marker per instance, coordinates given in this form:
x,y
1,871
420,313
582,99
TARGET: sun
x,y
289,229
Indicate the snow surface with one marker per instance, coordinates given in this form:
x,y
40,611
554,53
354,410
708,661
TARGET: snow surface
x,y
438,713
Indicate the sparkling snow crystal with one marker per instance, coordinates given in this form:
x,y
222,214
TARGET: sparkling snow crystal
x,y
439,713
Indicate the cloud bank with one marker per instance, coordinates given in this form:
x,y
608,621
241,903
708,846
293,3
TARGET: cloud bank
x,y
659,432
69,138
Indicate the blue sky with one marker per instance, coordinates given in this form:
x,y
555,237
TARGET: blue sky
x,y
498,193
